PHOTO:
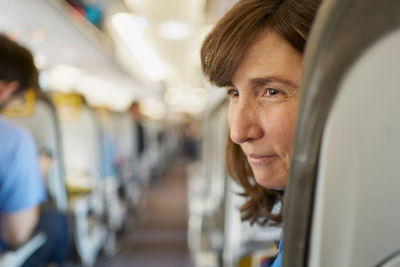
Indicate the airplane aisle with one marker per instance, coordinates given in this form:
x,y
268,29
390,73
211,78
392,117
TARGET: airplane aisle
x,y
158,236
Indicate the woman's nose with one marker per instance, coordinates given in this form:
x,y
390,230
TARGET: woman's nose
x,y
244,124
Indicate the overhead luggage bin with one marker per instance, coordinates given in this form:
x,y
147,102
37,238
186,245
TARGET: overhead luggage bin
x,y
342,198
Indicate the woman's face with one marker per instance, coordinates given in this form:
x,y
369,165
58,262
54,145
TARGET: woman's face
x,y
263,107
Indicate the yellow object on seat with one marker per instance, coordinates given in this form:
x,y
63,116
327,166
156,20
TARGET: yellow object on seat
x,y
21,106
68,105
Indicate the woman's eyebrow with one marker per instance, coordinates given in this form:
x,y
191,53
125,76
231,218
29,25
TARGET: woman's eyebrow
x,y
263,81
228,84
259,82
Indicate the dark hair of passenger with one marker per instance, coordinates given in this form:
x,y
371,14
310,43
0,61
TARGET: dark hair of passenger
x,y
221,53
17,64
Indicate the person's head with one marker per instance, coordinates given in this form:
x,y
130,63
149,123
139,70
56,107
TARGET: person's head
x,y
134,109
17,69
255,52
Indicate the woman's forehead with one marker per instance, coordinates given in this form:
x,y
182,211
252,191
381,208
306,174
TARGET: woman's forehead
x,y
269,56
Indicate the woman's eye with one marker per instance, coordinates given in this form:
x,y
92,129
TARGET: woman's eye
x,y
271,92
232,93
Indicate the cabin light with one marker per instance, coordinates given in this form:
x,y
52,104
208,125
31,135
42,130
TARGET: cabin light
x,y
63,78
140,22
152,108
130,30
94,86
190,100
40,61
173,96
174,30
98,92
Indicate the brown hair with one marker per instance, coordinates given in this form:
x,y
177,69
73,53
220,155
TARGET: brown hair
x,y
17,64
222,51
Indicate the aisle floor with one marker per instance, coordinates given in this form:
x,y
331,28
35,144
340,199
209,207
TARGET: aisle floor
x,y
157,235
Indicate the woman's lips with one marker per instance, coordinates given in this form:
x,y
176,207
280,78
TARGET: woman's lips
x,y
256,159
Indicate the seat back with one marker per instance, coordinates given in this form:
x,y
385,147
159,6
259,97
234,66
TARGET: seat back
x,y
108,150
245,242
128,158
341,201
81,147
153,150
43,124
213,156
124,136
206,188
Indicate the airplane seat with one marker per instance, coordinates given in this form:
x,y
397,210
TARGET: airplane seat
x,y
43,124
159,143
246,244
18,256
162,144
213,214
170,142
125,136
341,201
36,113
82,154
81,148
206,188
148,159
154,150
123,129
115,209
213,153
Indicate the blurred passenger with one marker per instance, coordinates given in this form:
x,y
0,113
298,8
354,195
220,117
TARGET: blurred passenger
x,y
21,186
109,155
192,133
256,52
137,116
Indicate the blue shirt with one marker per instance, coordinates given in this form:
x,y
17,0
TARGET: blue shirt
x,y
107,156
278,260
21,185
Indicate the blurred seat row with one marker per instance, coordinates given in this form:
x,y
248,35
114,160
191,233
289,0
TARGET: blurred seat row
x,y
93,169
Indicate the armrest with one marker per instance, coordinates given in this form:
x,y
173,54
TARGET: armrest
x,y
79,204
18,256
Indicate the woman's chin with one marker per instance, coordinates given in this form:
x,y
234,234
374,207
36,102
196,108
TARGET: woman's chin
x,y
271,182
